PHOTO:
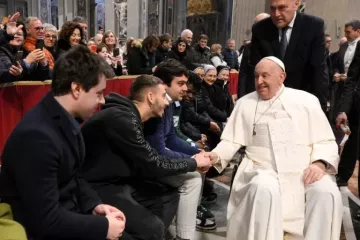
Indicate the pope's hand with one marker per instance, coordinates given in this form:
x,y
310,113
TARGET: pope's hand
x,y
213,157
314,173
202,160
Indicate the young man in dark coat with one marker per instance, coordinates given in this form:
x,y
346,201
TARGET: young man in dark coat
x,y
39,176
122,166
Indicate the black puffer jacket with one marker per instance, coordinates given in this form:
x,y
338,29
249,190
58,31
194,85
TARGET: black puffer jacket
x,y
35,71
200,55
213,93
139,62
160,54
223,97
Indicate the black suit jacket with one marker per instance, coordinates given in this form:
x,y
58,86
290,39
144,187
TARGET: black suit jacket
x,y
39,177
346,101
246,82
338,59
305,57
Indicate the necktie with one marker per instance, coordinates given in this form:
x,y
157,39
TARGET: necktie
x,y
283,43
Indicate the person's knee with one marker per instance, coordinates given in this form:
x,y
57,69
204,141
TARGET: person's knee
x,y
193,183
153,230
266,187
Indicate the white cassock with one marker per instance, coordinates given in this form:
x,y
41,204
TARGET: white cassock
x,y
268,196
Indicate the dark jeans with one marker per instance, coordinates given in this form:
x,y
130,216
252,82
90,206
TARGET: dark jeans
x,y
149,208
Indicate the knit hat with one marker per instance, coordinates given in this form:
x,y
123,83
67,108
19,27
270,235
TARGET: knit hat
x,y
221,68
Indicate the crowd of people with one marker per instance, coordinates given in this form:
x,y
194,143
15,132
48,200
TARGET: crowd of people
x,y
142,162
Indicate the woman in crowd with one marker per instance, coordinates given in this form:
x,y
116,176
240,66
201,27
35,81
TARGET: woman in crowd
x,y
110,40
17,64
223,97
50,37
141,58
217,58
178,51
217,114
70,35
163,48
102,51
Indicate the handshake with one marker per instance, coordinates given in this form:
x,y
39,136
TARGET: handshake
x,y
205,160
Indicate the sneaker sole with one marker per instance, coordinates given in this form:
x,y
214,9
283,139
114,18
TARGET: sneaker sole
x,y
204,229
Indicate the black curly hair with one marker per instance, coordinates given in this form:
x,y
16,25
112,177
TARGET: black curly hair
x,y
68,29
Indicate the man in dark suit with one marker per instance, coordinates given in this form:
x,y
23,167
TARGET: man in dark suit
x,y
39,176
349,109
298,40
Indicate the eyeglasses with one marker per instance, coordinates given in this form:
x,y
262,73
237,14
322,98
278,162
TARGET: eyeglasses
x,y
39,28
50,36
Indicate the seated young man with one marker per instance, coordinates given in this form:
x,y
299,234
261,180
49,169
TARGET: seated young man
x,y
39,177
160,132
124,169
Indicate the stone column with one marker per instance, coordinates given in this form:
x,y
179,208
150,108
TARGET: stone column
x,y
61,12
81,8
109,16
153,14
45,11
134,19
144,19
179,20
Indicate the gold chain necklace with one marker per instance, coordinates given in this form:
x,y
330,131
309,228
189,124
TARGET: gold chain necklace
x,y
255,122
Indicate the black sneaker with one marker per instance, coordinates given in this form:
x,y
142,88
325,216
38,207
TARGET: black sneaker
x,y
204,224
209,199
203,212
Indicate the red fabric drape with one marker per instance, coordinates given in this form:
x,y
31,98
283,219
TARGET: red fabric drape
x,y
18,98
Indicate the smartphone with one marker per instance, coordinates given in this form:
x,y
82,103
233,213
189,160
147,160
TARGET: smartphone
x,y
18,56
40,44
116,52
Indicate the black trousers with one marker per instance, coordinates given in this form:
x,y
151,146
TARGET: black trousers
x,y
149,208
351,149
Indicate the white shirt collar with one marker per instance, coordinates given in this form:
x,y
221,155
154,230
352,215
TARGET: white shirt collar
x,y
354,42
291,24
169,98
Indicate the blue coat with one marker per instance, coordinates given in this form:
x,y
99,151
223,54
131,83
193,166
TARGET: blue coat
x,y
160,133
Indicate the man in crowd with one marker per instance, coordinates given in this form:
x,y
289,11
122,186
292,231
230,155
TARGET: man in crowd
x,y
124,169
161,134
200,52
230,55
246,77
349,111
163,48
299,41
41,159
84,25
35,30
285,183
98,38
187,34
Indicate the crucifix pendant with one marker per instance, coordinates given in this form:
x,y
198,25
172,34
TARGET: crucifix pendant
x,y
254,133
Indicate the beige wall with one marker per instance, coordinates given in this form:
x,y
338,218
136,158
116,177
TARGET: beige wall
x,y
334,12
244,12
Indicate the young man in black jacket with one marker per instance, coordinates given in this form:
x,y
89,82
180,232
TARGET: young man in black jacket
x,y
124,169
40,173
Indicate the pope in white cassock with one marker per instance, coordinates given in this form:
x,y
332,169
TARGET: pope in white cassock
x,y
286,182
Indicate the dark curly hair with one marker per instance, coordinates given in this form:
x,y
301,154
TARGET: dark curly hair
x,y
67,30
81,66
